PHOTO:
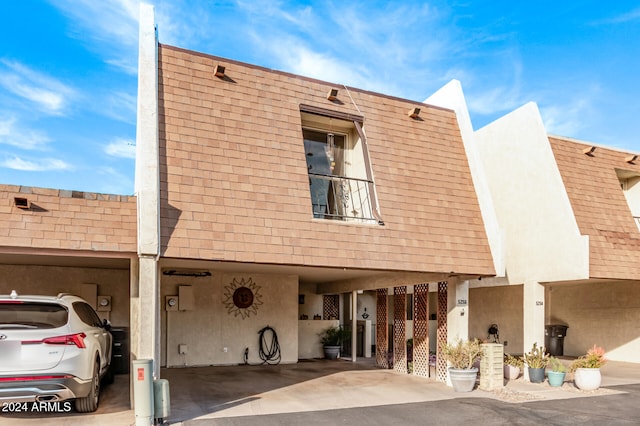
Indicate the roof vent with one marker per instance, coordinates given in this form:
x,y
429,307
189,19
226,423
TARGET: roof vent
x,y
219,71
21,203
414,113
332,95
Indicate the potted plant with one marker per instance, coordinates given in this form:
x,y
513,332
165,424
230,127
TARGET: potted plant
x,y
556,373
586,369
332,339
461,356
512,366
536,360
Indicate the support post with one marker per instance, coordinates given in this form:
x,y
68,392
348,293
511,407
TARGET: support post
x,y
147,186
533,318
458,310
354,325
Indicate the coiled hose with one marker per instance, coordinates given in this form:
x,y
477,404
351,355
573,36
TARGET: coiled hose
x,y
269,353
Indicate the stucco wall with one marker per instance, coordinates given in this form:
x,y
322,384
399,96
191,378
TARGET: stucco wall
x,y
213,325
542,239
309,345
313,303
51,280
501,306
606,314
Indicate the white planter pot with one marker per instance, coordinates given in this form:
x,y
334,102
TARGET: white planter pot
x,y
463,380
511,372
587,378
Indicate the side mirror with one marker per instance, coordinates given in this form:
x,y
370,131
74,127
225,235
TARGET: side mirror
x,y
106,324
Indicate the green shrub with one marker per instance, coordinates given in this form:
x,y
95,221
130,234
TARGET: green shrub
x,y
334,336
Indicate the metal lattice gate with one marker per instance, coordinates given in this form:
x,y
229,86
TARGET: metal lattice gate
x,y
382,344
331,307
441,364
399,329
421,330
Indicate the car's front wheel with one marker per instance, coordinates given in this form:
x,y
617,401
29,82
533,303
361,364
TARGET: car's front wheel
x,y
89,403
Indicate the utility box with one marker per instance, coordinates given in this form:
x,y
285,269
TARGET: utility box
x,y
492,366
161,399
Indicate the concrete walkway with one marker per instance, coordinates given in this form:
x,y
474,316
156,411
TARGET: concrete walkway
x,y
206,395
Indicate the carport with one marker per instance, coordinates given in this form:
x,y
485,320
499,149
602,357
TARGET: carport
x,y
319,388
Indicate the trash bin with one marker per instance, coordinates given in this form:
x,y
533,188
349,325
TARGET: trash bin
x,y
554,338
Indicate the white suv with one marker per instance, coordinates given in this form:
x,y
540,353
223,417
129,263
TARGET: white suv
x,y
52,349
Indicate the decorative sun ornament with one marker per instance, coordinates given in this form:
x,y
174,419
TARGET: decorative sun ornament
x,y
242,298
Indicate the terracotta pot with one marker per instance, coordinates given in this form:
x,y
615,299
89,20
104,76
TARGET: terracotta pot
x,y
587,378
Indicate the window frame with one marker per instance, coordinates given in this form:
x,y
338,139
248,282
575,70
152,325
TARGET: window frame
x,y
354,129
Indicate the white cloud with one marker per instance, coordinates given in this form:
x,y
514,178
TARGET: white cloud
x,y
49,94
633,15
120,106
35,165
124,148
566,119
110,27
301,60
14,135
494,100
106,20
115,182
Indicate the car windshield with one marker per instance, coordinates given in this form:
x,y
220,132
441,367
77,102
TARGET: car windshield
x,y
21,315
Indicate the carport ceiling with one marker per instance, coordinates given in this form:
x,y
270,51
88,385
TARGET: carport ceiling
x,y
306,274
65,261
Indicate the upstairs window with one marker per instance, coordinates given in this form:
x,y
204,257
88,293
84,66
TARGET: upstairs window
x,y
340,180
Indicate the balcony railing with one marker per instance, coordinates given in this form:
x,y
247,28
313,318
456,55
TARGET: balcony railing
x,y
341,198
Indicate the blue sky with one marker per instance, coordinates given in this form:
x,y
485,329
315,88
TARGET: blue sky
x,y
68,67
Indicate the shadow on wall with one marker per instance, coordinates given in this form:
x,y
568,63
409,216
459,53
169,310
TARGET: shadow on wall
x,y
169,215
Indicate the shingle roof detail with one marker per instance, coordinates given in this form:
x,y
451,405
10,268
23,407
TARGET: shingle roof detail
x,y
600,207
73,220
235,186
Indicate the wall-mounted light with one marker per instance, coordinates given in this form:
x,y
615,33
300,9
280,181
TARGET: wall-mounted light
x,y
631,159
332,95
219,71
21,203
103,304
171,303
589,151
414,112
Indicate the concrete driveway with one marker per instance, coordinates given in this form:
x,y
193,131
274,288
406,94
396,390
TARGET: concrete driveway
x,y
315,392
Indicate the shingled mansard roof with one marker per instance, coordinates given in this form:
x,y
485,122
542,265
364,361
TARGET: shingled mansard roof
x,y
593,185
235,185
